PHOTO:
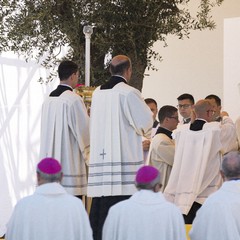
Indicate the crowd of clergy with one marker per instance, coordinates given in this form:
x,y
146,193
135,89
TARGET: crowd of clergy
x,y
145,172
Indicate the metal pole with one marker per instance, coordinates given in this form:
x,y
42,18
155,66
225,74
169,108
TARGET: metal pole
x,y
87,30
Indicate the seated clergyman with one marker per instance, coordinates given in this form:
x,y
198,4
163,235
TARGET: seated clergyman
x,y
146,215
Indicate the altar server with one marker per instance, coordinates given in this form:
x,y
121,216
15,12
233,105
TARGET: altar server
x,y
119,119
195,172
65,130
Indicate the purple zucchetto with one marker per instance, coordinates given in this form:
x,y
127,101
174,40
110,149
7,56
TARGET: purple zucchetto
x,y
49,166
146,174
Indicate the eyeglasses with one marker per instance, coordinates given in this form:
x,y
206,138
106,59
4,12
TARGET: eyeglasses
x,y
184,106
176,118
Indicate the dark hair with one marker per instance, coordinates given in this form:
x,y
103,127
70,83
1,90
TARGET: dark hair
x,y
186,96
66,69
120,68
166,111
231,165
150,100
215,97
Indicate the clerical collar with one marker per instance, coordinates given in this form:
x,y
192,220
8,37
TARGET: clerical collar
x,y
218,119
186,120
120,77
164,131
114,80
66,85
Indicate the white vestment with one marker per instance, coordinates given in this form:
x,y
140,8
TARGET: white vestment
x,y
50,213
228,135
237,125
65,137
119,119
218,218
161,156
146,152
196,169
145,216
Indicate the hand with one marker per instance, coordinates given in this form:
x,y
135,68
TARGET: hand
x,y
146,144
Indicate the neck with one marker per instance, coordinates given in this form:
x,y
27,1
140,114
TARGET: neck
x,y
233,178
199,118
121,77
66,82
165,127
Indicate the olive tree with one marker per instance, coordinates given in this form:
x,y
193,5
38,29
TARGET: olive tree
x,y
40,29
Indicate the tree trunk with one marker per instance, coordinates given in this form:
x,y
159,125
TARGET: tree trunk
x,y
138,74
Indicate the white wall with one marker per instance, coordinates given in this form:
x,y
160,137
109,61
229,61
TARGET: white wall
x,y
192,65
231,85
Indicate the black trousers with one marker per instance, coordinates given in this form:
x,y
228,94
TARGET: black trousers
x,y
99,210
188,219
79,196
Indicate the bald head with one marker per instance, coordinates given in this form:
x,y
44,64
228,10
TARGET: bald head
x,y
121,65
203,109
231,165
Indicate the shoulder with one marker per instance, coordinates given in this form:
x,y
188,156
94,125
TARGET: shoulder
x,y
73,201
126,89
119,207
26,202
238,120
71,95
161,137
212,126
72,99
215,199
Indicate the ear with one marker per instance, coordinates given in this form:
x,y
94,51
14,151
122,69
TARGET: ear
x,y
38,179
61,177
38,176
72,76
222,174
157,187
166,120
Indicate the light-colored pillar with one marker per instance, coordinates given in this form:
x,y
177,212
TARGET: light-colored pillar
x,y
87,30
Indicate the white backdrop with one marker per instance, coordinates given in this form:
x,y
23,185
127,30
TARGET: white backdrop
x,y
20,104
231,58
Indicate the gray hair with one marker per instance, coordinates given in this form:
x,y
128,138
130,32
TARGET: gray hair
x,y
231,165
48,178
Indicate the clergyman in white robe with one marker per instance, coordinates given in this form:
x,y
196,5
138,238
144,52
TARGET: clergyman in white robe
x,y
195,173
119,119
146,215
218,218
161,156
65,136
50,213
